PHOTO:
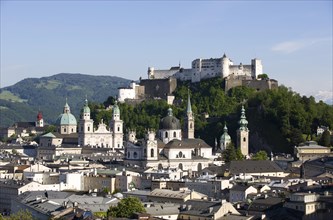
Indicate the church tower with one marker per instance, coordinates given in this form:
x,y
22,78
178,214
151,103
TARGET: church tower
x,y
40,120
116,125
150,149
225,138
86,125
243,134
189,120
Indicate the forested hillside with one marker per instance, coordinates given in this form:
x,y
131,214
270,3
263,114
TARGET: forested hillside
x,y
278,119
21,101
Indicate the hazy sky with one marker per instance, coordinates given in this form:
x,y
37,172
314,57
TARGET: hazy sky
x,y
292,38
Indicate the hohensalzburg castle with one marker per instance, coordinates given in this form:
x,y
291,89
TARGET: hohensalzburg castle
x,y
209,68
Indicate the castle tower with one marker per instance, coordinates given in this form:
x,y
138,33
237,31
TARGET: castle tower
x,y
189,120
256,66
243,134
225,138
225,66
86,125
116,125
40,120
151,73
150,150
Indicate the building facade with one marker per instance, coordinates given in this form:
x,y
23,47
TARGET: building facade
x,y
103,136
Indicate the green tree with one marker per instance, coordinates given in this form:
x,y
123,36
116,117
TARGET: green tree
x,y
230,153
126,208
20,215
260,155
325,139
263,76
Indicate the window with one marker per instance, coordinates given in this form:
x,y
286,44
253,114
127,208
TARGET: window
x,y
174,134
152,153
118,129
81,128
190,125
128,155
64,129
135,155
88,128
244,139
166,134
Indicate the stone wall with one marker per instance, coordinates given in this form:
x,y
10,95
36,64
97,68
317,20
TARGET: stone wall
x,y
159,87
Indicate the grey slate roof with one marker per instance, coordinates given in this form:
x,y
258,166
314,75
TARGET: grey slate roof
x,y
187,143
200,207
254,166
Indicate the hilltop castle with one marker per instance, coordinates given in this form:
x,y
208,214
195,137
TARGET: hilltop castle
x,y
209,68
162,83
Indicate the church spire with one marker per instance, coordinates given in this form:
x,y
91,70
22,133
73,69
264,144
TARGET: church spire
x,y
189,108
243,122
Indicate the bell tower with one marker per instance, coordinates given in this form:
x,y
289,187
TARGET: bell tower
x,y
116,125
243,134
189,120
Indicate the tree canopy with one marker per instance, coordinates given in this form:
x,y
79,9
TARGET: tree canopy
x,y
260,155
126,208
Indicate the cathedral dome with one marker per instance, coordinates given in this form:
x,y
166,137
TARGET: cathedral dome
x,y
66,119
170,122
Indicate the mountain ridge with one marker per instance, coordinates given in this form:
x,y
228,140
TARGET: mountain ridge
x,y
22,101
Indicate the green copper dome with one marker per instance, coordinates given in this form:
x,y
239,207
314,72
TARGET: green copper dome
x,y
170,122
86,108
66,118
225,136
116,110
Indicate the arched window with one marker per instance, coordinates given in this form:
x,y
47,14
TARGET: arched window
x,y
64,129
135,155
166,134
190,125
244,139
88,128
118,128
152,153
174,134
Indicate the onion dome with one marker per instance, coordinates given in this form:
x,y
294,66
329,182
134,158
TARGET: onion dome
x,y
39,116
170,122
243,122
116,110
86,108
225,136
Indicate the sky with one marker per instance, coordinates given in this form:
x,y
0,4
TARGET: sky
x,y
123,38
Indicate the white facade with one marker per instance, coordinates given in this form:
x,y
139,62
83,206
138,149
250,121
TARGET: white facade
x,y
209,68
103,136
169,149
127,93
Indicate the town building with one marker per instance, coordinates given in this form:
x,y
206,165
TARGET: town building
x,y
311,150
304,202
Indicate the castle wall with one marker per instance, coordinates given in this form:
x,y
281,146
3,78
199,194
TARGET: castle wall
x,y
159,87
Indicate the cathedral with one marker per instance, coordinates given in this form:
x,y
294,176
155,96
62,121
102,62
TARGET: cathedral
x,y
103,136
173,148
